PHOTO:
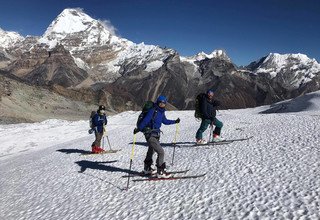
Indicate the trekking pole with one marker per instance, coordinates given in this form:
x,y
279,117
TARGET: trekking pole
x,y
103,134
131,158
175,142
211,130
108,139
109,142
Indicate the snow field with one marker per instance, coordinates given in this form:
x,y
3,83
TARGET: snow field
x,y
274,175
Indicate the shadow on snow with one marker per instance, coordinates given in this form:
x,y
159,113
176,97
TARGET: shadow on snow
x,y
95,165
74,151
164,144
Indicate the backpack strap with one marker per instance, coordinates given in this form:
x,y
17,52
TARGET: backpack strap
x,y
153,132
155,111
154,114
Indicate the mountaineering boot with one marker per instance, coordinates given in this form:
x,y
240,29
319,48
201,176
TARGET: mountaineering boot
x,y
162,173
97,150
148,170
201,141
94,151
218,138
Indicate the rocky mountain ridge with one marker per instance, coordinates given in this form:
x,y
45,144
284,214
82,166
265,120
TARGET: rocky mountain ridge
x,y
79,53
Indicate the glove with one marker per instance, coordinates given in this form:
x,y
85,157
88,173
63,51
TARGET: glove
x,y
178,121
136,130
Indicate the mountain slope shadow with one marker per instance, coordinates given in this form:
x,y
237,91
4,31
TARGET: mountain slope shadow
x,y
299,104
95,165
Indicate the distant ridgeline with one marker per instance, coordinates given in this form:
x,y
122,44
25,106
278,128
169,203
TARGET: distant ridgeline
x,y
79,58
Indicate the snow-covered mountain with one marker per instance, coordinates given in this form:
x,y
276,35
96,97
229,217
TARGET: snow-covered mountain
x,y
291,70
77,31
218,54
9,38
98,50
79,52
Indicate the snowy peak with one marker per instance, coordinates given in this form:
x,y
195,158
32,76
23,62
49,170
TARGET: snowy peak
x,y
73,20
275,63
291,71
70,21
74,28
9,38
220,54
278,60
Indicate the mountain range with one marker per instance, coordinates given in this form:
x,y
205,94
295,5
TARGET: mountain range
x,y
80,58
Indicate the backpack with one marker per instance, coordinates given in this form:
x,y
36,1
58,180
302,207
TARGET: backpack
x,y
90,119
146,107
198,100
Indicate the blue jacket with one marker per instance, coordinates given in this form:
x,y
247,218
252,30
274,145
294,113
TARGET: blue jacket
x,y
159,118
99,121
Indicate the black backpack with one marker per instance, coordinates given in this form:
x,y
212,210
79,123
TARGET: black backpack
x,y
90,119
198,100
146,107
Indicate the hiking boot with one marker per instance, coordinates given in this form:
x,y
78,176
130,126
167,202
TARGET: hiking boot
x,y
97,150
201,141
218,138
100,150
149,171
162,172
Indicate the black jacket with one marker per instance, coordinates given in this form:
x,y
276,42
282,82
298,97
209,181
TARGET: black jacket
x,y
208,108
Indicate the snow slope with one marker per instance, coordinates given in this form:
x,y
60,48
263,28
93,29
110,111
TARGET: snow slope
x,y
274,175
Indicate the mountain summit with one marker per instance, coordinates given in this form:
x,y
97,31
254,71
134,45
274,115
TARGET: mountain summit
x,y
290,70
218,54
74,28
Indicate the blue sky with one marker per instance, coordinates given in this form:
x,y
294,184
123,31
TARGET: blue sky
x,y
246,29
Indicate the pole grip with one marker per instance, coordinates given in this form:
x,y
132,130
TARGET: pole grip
x,y
133,146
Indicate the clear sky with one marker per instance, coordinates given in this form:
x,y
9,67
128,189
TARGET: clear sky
x,y
246,29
